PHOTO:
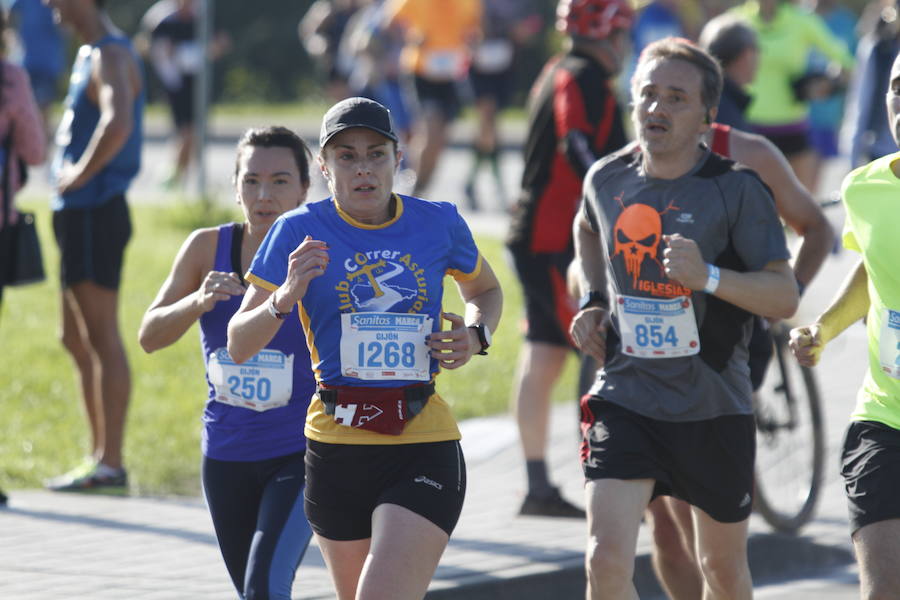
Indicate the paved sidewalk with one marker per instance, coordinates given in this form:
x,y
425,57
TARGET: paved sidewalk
x,y
97,548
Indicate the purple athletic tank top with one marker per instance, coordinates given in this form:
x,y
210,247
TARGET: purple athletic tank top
x,y
255,410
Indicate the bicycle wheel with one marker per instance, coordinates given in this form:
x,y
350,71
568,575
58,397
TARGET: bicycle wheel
x,y
790,445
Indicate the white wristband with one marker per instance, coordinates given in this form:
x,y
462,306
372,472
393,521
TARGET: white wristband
x,y
712,281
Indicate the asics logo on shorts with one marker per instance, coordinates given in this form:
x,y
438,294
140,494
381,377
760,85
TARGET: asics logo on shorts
x,y
745,501
431,482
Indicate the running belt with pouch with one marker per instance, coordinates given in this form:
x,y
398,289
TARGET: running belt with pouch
x,y
382,410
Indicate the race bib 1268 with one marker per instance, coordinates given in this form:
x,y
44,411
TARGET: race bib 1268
x,y
384,346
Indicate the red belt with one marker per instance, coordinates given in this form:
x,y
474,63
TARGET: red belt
x,y
383,410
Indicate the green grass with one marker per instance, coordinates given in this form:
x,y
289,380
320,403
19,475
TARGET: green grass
x,y
311,110
315,110
44,427
284,111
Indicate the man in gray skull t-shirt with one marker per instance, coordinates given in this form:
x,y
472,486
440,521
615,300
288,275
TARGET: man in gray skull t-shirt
x,y
731,216
676,247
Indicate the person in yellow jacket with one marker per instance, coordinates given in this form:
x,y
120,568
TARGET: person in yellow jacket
x,y
438,39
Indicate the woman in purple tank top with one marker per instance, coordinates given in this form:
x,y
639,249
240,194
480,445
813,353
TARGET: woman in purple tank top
x,y
253,444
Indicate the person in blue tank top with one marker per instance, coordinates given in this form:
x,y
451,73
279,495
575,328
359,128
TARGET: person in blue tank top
x,y
253,443
98,154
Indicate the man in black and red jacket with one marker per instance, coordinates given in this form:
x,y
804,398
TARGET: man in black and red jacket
x,y
574,119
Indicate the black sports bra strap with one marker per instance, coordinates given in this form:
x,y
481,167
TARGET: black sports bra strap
x,y
237,236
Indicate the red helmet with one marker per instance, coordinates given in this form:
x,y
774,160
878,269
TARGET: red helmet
x,y
594,19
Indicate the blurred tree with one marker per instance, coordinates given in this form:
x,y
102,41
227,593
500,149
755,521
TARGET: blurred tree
x,y
266,61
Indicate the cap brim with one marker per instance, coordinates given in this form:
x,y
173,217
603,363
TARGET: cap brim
x,y
331,134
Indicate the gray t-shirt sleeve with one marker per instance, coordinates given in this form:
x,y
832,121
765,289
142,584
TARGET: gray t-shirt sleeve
x,y
757,234
593,181
588,199
589,214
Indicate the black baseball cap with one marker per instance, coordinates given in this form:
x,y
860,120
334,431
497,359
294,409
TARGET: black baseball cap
x,y
356,112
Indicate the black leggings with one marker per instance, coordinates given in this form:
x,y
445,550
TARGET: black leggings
x,y
257,512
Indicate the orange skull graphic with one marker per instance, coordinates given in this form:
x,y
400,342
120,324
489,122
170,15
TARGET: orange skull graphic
x,y
637,234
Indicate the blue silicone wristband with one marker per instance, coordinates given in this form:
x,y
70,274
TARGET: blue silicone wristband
x,y
712,281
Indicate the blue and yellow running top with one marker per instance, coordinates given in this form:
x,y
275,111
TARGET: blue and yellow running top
x,y
367,316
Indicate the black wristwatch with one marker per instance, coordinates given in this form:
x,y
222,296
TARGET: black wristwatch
x,y
593,298
484,337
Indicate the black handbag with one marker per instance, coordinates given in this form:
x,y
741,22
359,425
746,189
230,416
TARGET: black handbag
x,y
24,263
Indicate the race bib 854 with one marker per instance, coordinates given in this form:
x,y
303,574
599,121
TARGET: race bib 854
x,y
657,328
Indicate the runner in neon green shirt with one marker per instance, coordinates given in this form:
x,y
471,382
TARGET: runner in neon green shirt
x,y
786,34
785,42
871,454
870,197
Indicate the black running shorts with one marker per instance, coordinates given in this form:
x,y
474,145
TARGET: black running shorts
x,y
440,96
709,463
791,143
548,307
345,484
870,465
181,102
499,86
92,242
